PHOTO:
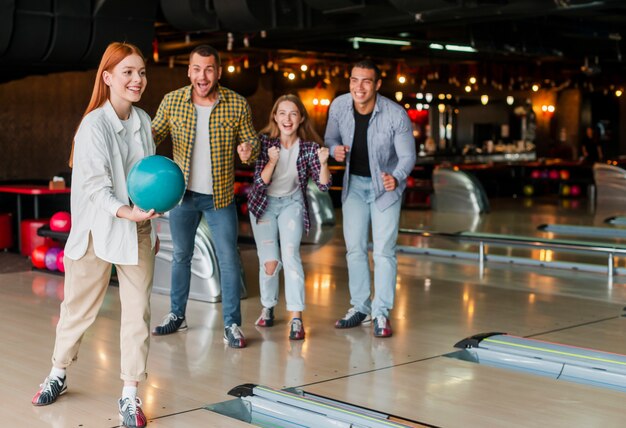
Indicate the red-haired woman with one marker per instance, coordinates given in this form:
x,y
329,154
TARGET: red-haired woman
x,y
107,230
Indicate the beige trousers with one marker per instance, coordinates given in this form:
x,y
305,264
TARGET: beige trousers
x,y
86,282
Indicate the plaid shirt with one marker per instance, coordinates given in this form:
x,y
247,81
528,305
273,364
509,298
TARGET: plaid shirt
x,y
230,124
308,166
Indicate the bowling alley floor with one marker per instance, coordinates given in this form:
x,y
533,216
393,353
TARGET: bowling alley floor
x,y
439,301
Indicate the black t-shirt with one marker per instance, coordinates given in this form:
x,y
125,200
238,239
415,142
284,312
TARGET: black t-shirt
x,y
359,155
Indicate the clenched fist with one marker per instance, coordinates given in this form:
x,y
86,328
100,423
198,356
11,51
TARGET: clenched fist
x,y
389,182
340,153
322,154
245,151
274,155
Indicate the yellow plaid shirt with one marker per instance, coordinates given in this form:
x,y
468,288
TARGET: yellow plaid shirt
x,y
230,124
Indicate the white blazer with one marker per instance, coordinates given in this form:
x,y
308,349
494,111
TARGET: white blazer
x,y
99,186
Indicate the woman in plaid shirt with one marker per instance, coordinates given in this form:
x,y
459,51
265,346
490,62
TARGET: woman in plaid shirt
x,y
291,154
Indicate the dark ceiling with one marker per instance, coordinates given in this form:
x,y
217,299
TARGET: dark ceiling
x,y
563,42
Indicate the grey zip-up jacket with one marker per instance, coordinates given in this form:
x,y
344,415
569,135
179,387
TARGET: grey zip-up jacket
x,y
390,143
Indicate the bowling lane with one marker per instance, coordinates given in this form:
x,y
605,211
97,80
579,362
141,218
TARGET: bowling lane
x,y
450,393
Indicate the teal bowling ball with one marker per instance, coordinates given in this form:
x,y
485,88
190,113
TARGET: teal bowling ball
x,y
155,182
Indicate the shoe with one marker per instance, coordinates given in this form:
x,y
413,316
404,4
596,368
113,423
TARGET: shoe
x,y
131,414
233,336
382,327
353,318
267,318
296,329
170,324
49,391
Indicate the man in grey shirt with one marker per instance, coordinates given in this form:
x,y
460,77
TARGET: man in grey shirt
x,y
373,135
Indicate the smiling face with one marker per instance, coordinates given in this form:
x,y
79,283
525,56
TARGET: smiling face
x,y
363,87
127,80
204,73
288,118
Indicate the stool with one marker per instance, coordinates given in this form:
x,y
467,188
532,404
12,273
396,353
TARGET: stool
x,y
30,239
6,231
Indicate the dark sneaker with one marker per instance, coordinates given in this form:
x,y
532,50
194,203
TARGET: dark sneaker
x,y
233,336
131,414
382,327
266,319
352,319
170,324
49,391
296,329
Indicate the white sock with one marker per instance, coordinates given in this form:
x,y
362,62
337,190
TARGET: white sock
x,y
129,392
58,373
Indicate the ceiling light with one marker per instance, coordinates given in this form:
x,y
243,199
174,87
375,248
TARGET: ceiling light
x,y
484,99
356,40
510,100
618,93
460,48
454,48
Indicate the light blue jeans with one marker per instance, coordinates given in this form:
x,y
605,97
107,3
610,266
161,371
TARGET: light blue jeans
x,y
358,210
281,222
223,224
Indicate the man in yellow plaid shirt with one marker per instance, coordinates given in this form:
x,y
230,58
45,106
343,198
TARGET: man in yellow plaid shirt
x,y
206,122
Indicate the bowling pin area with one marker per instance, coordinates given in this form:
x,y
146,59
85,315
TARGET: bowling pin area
x,y
446,292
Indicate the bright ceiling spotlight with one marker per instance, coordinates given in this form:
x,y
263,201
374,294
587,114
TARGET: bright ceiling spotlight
x,y
484,99
535,87
510,100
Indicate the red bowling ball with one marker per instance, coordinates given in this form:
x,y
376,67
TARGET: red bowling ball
x,y
38,256
60,264
61,222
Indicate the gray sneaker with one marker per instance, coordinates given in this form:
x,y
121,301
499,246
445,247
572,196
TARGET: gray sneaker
x,y
353,318
131,414
49,391
170,324
233,336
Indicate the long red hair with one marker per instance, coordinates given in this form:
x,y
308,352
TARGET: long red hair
x,y
113,55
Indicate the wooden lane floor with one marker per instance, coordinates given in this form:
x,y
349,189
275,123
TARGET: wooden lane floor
x,y
438,302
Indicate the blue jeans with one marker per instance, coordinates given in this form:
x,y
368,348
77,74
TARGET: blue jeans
x,y
223,224
358,210
282,220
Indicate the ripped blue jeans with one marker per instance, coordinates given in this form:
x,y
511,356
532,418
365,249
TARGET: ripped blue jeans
x,y
278,234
